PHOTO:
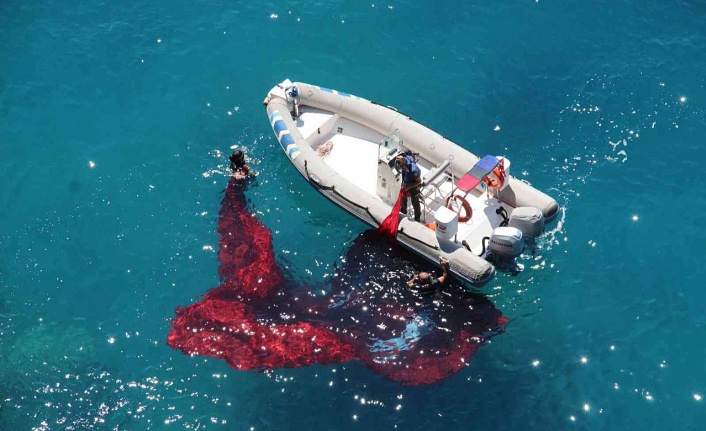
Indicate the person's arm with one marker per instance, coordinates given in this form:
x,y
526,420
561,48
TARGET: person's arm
x,y
445,268
412,281
241,172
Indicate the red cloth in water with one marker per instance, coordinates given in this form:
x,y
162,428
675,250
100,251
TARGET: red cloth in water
x,y
388,227
258,320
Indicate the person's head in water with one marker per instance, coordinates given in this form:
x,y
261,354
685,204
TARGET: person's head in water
x,y
422,279
237,165
237,159
426,282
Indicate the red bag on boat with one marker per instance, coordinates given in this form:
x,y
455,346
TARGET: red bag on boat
x,y
388,227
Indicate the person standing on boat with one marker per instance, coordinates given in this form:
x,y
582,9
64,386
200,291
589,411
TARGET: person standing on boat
x,y
424,282
237,165
411,182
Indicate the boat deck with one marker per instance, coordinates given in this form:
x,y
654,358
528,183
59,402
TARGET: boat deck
x,y
483,208
353,151
355,159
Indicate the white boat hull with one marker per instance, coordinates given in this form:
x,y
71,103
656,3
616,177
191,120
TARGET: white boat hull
x,y
340,143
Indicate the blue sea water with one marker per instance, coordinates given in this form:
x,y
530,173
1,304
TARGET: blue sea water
x,y
115,123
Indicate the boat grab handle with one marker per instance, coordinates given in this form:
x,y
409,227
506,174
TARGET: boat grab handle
x,y
439,170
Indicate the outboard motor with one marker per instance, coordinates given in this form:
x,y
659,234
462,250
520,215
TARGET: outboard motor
x,y
530,221
505,244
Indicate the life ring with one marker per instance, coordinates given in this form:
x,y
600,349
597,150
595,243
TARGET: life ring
x,y
498,183
464,205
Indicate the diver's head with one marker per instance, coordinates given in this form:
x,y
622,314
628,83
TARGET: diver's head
x,y
423,279
237,158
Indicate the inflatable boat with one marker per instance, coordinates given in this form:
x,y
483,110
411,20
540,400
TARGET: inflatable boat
x,y
473,211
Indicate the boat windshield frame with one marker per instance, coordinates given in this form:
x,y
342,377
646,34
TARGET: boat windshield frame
x,y
390,146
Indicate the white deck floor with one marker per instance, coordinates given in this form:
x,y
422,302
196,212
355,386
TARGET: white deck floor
x,y
356,160
311,119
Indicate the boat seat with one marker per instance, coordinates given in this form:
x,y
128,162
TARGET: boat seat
x,y
324,132
434,178
477,173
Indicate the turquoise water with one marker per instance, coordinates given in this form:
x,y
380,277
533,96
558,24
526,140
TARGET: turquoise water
x,y
115,124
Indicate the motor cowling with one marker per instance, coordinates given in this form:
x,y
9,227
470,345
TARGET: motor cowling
x,y
529,220
506,242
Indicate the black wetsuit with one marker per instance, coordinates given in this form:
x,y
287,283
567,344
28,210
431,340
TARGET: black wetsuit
x,y
430,287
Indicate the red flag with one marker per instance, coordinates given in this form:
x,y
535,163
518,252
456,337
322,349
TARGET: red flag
x,y
388,226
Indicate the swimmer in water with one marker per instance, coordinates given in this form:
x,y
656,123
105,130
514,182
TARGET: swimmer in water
x,y
237,165
424,282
